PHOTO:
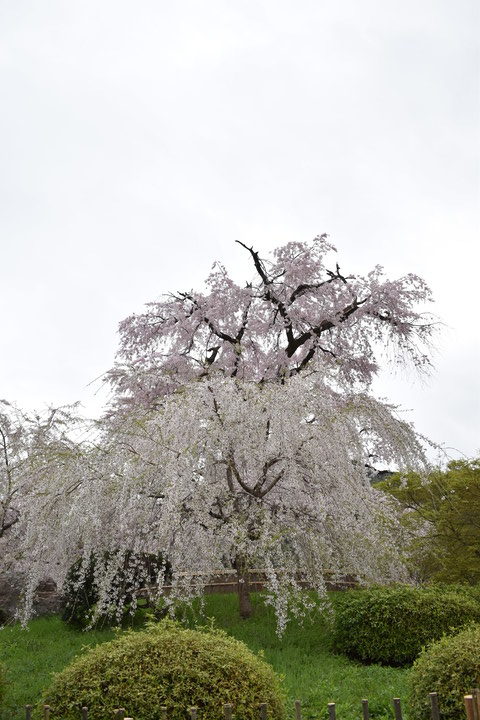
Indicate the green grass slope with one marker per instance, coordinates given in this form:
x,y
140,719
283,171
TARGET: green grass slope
x,y
311,672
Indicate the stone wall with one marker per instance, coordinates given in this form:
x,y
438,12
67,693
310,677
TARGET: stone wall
x,y
47,599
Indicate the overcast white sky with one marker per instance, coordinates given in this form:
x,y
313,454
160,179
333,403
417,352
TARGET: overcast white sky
x,y
138,140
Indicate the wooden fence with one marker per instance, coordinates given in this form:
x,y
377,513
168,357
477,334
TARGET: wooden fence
x,y
472,709
227,582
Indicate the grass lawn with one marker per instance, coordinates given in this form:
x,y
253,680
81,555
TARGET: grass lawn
x,y
311,672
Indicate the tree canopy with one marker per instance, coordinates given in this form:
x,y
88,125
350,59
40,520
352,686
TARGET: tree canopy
x,y
294,313
32,448
238,437
442,512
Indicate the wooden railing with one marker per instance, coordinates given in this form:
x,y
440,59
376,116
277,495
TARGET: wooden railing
x,y
471,701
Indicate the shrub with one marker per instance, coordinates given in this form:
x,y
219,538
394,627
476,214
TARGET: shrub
x,y
167,665
389,625
80,592
471,591
450,667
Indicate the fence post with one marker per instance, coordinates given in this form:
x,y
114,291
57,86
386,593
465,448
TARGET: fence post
x,y
472,708
298,710
365,710
468,700
476,703
434,705
397,708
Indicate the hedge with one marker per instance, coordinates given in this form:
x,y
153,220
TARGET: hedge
x,y
390,625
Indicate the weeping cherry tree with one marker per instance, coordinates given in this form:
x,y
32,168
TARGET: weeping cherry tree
x,y
241,427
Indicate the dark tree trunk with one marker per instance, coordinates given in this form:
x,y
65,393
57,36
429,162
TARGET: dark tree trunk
x,y
243,589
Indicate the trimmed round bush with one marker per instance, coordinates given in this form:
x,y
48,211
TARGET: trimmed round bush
x,y
390,625
167,665
450,667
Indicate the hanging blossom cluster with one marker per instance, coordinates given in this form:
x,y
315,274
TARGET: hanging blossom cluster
x,y
231,474
238,439
295,311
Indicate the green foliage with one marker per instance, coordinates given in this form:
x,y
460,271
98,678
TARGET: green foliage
x,y
450,667
32,655
3,682
389,625
80,593
167,665
312,673
470,591
446,507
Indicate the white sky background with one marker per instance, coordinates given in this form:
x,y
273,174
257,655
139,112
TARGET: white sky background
x,y
139,140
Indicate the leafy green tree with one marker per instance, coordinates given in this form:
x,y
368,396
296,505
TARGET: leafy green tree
x,y
442,515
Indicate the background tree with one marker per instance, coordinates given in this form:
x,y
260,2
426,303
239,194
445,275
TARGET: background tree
x,y
442,512
30,445
35,455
